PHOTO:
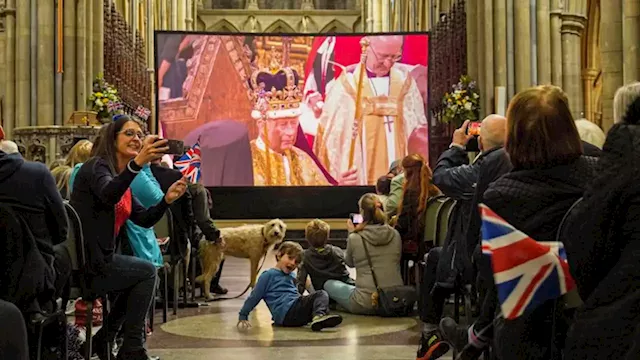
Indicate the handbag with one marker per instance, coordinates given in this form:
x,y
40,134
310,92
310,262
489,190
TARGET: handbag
x,y
393,301
81,313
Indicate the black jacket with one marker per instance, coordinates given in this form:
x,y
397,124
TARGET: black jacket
x,y
326,263
182,210
602,240
535,201
457,179
31,184
95,194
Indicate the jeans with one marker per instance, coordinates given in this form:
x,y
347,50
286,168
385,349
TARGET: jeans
x,y
432,298
340,292
305,308
132,281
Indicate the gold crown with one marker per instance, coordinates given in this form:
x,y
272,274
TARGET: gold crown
x,y
270,101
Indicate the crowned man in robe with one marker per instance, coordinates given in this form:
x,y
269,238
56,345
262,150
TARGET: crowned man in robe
x,y
393,111
276,161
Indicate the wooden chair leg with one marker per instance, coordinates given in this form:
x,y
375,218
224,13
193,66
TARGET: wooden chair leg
x,y
193,277
176,284
185,268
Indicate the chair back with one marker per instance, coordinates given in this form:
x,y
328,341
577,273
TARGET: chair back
x,y
434,205
444,219
164,227
76,246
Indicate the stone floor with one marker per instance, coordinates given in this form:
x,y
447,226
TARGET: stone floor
x,y
209,332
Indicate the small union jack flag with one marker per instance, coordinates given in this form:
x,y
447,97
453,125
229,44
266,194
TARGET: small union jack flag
x,y
142,112
189,164
526,272
114,106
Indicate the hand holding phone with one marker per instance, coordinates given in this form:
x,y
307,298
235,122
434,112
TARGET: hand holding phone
x,y
175,147
355,218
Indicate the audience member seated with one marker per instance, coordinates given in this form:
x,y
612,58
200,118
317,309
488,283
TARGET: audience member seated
x,y
602,240
549,174
13,333
102,198
451,265
79,153
385,247
383,188
321,261
395,190
30,190
417,190
289,308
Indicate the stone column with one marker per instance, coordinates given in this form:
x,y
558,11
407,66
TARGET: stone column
x,y
487,15
377,15
611,55
572,27
471,7
10,67
544,41
630,40
23,63
174,14
588,77
89,44
45,55
81,55
522,43
69,61
556,42
386,15
481,55
500,42
98,36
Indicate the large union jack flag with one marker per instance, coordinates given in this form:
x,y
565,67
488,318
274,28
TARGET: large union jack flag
x,y
189,163
527,272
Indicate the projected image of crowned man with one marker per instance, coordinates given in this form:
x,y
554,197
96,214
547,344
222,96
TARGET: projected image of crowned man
x,y
393,109
276,161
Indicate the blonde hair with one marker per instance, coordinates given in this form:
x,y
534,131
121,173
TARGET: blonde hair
x,y
625,95
62,175
317,233
293,249
372,211
79,153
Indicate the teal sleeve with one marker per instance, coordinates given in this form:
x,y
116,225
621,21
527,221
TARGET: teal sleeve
x,y
146,189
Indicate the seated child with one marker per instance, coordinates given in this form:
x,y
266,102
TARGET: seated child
x,y
321,261
277,288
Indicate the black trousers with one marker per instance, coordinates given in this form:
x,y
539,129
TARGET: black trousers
x,y
306,307
489,294
432,298
13,333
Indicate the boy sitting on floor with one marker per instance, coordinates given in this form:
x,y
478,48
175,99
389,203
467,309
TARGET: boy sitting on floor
x,y
321,261
277,288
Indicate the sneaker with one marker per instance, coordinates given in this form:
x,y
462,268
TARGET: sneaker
x,y
432,346
219,290
458,336
325,321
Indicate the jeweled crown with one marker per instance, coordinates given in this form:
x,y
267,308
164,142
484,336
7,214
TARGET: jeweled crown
x,y
274,91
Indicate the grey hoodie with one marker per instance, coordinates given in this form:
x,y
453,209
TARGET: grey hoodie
x,y
322,264
385,247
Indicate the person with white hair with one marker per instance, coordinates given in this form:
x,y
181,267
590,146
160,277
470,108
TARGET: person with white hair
x,y
8,147
393,110
590,133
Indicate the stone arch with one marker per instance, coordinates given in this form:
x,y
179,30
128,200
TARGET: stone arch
x,y
223,26
252,24
336,26
279,26
591,64
307,25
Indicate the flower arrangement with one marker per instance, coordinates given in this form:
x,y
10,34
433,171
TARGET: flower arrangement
x,y
104,98
463,103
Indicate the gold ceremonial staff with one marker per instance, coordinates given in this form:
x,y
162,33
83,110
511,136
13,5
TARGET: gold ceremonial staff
x,y
364,44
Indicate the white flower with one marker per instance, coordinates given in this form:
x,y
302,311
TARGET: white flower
x,y
475,95
99,103
454,108
467,106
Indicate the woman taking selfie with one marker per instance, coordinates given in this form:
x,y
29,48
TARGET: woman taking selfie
x,y
102,198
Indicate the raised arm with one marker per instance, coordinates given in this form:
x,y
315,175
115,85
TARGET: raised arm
x,y
148,218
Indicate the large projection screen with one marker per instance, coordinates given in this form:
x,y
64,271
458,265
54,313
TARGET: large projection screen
x,y
280,110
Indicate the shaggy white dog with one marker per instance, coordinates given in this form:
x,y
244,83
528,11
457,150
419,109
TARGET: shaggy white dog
x,y
247,241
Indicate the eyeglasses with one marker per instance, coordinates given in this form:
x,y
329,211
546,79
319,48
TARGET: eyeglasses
x,y
132,133
384,57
